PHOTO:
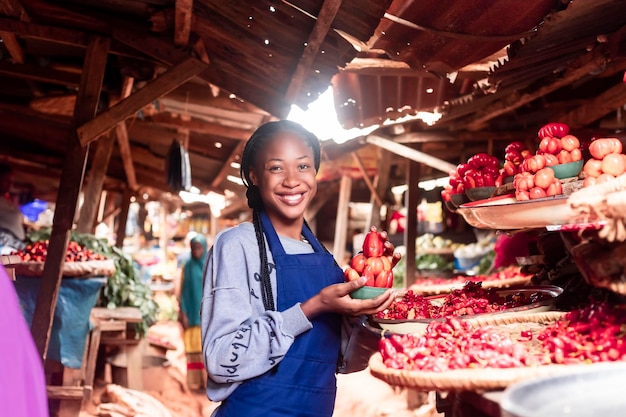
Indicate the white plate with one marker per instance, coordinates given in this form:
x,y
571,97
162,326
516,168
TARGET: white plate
x,y
595,391
505,212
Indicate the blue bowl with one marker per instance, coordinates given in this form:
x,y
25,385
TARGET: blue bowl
x,y
568,170
365,293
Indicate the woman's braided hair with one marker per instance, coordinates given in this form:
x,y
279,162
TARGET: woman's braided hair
x,y
256,142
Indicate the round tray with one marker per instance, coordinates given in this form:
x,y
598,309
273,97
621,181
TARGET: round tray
x,y
102,268
425,288
418,326
476,379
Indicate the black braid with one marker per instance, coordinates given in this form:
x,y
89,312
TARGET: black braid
x,y
266,284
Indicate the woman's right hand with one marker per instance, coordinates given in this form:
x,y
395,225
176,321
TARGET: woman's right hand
x,y
336,298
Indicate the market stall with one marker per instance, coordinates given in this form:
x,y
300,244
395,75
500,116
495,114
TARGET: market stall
x,y
485,354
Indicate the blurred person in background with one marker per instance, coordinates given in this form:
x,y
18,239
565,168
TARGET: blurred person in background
x,y
189,313
11,219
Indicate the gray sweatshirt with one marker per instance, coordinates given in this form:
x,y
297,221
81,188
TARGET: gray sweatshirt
x,y
240,339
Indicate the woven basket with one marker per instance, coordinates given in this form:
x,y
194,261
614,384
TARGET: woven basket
x,y
104,268
478,379
434,289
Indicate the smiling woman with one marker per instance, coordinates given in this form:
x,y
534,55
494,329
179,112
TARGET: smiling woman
x,y
271,324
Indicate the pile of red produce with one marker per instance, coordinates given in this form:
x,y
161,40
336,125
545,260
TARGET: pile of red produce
x,y
593,333
514,154
38,251
469,300
606,163
536,179
481,170
453,344
372,262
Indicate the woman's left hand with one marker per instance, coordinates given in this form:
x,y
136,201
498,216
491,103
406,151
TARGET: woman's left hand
x,y
336,298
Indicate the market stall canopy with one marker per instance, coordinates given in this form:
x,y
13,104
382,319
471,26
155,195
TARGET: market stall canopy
x,y
207,73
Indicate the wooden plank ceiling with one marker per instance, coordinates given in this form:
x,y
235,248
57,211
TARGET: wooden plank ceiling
x,y
206,73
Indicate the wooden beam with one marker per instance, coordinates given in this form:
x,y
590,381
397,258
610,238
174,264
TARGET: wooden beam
x,y
13,47
596,107
341,220
196,125
182,22
410,232
93,187
69,189
410,153
221,175
127,158
515,101
122,139
123,218
165,83
366,178
316,38
35,73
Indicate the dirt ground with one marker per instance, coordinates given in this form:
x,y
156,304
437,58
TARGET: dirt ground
x,y
359,394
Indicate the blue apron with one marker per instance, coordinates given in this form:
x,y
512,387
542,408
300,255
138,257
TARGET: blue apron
x,y
304,382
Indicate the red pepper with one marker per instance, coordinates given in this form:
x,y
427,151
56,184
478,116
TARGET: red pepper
x,y
373,245
556,130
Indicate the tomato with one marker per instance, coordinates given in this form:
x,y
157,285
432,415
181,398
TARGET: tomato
x,y
600,148
550,145
535,163
570,142
509,168
564,157
376,264
544,177
551,160
386,263
589,181
522,196
367,273
350,274
592,168
613,164
384,279
576,154
604,178
523,181
358,262
536,192
555,188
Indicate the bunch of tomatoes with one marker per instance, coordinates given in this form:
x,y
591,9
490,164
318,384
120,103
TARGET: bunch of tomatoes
x,y
38,252
606,163
372,263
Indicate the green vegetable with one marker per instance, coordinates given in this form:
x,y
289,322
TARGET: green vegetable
x,y
433,261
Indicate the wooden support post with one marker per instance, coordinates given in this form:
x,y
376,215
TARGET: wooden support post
x,y
123,217
69,189
410,233
93,188
341,223
382,186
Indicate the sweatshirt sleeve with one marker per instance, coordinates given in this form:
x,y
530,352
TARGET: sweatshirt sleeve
x,y
240,339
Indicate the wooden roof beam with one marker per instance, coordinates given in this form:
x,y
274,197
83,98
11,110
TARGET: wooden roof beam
x,y
195,125
35,73
13,46
182,22
515,101
316,38
410,153
156,88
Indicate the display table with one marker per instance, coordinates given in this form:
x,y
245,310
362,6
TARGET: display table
x,y
117,329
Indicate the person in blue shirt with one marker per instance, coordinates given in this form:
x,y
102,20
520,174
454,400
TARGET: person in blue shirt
x,y
190,299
